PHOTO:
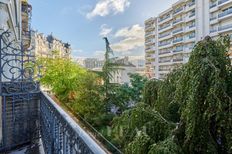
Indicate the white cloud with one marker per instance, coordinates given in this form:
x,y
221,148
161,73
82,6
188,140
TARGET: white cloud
x,y
106,7
105,30
130,38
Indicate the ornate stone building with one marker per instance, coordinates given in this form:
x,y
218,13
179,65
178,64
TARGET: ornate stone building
x,y
49,46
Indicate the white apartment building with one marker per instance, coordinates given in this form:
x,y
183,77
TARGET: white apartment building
x,y
171,36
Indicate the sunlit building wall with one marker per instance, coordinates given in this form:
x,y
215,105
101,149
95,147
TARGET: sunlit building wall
x,y
171,36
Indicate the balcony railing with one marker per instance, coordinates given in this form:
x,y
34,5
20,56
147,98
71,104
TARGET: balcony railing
x,y
192,15
164,69
191,26
166,17
60,133
213,18
177,30
192,36
213,5
191,4
164,35
178,40
179,49
178,10
165,61
213,30
177,21
222,1
178,60
161,28
225,13
164,52
221,28
28,114
164,44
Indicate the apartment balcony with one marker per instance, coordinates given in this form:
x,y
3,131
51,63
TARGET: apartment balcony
x,y
177,31
190,38
177,11
178,49
29,116
177,21
213,18
164,27
149,28
192,15
150,34
213,30
190,28
164,70
151,51
164,18
191,4
165,36
178,40
165,45
225,14
212,5
149,41
222,3
178,60
225,28
165,61
164,53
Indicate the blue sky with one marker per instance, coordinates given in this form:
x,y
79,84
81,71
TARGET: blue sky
x,y
83,23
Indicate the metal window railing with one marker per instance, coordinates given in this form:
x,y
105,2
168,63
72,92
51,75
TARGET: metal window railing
x,y
225,13
161,28
221,28
191,4
178,10
178,40
166,17
177,21
213,30
178,30
60,133
213,5
178,49
164,35
222,1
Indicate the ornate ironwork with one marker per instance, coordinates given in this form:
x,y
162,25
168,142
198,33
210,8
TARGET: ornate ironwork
x,y
27,114
61,134
19,93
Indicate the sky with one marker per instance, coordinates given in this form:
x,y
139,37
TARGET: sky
x,y
83,24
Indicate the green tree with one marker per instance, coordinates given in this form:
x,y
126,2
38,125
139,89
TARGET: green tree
x,y
62,76
205,96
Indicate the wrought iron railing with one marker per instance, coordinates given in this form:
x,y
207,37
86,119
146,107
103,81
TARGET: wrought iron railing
x,y
19,94
27,114
61,134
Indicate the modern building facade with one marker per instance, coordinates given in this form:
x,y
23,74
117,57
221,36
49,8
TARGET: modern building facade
x,y
50,46
171,36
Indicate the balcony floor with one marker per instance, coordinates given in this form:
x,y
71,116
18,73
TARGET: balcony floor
x,y
34,149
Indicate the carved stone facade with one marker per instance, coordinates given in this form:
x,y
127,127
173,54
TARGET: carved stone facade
x,y
49,46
